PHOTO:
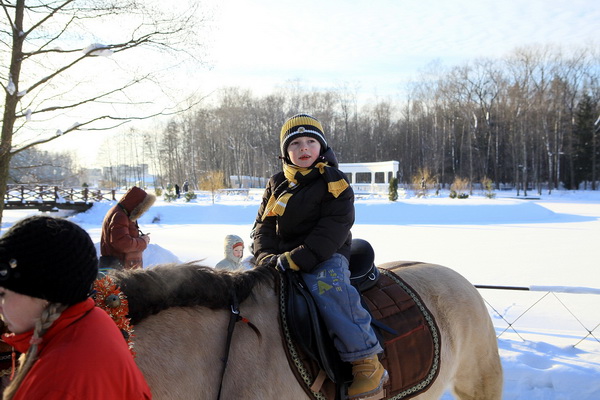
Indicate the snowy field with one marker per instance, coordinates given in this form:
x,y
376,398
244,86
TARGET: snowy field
x,y
548,244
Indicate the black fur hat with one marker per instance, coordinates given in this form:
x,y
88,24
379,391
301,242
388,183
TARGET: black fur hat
x,y
48,258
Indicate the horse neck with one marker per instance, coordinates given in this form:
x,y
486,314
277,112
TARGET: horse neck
x,y
261,306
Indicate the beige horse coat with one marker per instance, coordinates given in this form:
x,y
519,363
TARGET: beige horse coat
x,y
179,349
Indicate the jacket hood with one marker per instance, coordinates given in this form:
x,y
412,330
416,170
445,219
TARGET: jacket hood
x,y
136,202
330,157
232,241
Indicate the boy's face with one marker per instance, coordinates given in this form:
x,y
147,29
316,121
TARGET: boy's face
x,y
303,151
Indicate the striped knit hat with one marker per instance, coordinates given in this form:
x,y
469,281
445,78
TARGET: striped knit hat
x,y
301,125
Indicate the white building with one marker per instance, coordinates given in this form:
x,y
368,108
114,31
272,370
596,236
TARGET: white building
x,y
370,177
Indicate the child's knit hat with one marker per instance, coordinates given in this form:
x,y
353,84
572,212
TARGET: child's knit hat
x,y
48,258
301,125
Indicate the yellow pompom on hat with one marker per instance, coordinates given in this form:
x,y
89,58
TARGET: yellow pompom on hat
x,y
301,125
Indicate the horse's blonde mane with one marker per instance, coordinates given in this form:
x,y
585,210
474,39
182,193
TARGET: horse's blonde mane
x,y
185,285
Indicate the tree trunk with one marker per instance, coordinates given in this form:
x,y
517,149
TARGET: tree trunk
x,y
12,99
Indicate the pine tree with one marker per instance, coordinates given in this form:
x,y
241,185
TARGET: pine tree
x,y
584,151
393,189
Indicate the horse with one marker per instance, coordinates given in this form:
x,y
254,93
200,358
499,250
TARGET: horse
x,y
181,313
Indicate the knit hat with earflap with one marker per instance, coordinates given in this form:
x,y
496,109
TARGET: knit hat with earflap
x,y
48,258
301,125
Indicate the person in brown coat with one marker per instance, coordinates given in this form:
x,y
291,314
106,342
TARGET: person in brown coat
x,y
121,242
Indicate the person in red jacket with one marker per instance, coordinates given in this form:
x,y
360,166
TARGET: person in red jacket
x,y
71,348
121,242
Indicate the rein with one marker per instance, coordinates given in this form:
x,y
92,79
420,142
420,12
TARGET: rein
x,y
233,318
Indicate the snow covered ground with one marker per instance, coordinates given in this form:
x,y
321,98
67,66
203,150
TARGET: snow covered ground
x,y
547,243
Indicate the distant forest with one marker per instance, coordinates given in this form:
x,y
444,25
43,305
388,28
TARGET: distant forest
x,y
530,120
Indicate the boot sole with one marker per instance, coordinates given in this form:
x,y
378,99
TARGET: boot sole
x,y
375,394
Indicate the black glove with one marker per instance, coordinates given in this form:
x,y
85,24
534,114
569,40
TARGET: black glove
x,y
268,261
282,263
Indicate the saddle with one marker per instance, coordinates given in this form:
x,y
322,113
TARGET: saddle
x,y
405,328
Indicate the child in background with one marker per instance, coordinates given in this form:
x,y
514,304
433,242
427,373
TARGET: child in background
x,y
234,251
303,224
121,242
71,348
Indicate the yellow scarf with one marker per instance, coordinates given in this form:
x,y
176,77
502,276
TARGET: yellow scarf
x,y
336,184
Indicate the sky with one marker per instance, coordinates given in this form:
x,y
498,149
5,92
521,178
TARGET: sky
x,y
381,44
374,48
550,242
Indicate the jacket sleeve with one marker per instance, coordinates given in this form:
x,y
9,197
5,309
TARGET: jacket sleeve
x,y
265,231
119,237
330,233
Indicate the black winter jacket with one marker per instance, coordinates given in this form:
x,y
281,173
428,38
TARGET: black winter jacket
x,y
314,226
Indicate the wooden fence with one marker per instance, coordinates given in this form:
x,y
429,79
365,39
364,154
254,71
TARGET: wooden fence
x,y
53,198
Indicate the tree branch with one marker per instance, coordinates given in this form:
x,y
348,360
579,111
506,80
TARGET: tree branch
x,y
86,101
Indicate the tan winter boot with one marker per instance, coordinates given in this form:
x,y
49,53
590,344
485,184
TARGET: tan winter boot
x,y
369,378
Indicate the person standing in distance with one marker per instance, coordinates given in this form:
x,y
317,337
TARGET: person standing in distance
x,y
121,242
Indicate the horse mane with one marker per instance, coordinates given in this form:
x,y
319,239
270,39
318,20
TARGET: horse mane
x,y
152,290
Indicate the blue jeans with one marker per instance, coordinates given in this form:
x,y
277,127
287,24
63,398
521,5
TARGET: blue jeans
x,y
347,322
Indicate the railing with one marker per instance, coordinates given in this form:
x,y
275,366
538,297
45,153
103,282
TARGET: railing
x,y
582,312
234,192
52,198
370,188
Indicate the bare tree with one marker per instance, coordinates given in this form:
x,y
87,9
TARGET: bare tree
x,y
511,120
212,181
67,68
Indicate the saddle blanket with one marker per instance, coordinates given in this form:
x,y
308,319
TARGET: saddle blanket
x,y
411,354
